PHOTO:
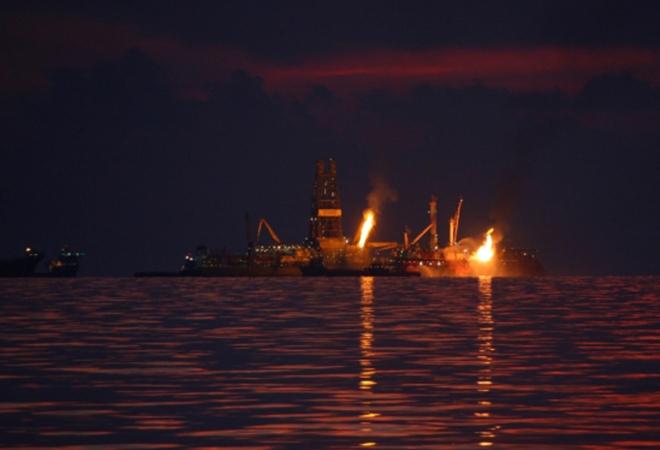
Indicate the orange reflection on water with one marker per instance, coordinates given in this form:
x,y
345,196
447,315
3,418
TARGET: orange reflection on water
x,y
285,363
485,358
367,370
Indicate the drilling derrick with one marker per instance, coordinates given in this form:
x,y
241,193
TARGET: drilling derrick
x,y
325,227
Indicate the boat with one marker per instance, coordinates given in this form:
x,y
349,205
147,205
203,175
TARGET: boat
x,y
519,262
22,266
66,264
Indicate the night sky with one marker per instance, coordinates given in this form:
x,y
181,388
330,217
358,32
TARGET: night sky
x,y
137,131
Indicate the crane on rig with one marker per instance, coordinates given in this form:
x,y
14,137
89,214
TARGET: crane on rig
x,y
264,223
453,224
431,227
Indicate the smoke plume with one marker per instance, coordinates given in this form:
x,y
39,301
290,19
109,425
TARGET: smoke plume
x,y
381,194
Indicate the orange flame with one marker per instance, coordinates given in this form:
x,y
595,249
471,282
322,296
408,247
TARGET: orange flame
x,y
487,250
368,222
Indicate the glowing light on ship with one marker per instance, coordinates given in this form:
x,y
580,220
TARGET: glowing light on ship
x,y
368,222
487,250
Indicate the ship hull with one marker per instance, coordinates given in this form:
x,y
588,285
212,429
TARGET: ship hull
x,y
320,271
19,267
241,271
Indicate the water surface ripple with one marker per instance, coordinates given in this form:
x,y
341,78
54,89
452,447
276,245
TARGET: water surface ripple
x,y
330,363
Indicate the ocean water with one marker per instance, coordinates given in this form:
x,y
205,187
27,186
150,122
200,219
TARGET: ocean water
x,y
275,363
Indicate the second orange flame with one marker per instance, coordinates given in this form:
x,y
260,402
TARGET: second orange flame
x,y
486,252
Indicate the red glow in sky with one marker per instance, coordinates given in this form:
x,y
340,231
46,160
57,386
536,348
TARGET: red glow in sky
x,y
55,42
539,68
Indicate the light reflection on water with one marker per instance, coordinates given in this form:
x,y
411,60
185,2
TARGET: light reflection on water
x,y
367,370
330,363
485,358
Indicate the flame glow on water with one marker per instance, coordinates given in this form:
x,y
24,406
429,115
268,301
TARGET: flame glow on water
x,y
367,369
278,362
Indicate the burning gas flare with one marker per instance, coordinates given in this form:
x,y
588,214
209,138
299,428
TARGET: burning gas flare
x,y
368,222
487,250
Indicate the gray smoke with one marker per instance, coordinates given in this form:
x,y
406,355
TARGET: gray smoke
x,y
381,194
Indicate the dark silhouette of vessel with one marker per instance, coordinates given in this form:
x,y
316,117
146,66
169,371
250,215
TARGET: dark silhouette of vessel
x,y
66,264
22,266
519,262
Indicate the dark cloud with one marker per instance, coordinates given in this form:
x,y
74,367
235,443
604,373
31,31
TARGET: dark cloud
x,y
619,91
531,47
290,31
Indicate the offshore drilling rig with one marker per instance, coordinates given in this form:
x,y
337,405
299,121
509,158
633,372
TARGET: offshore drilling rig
x,y
327,251
334,253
